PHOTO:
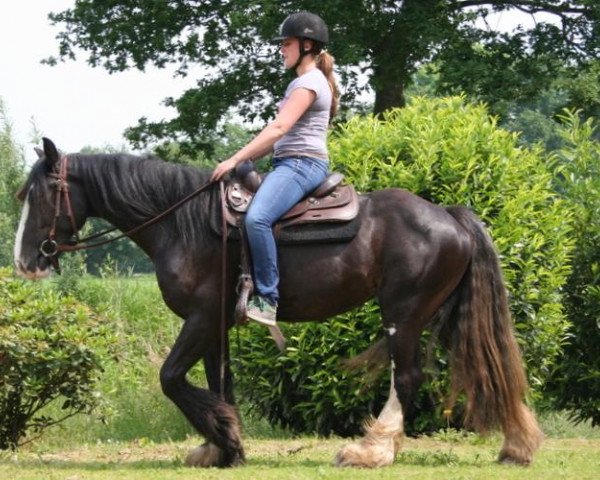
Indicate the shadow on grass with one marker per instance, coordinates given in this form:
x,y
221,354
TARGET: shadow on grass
x,y
95,465
286,463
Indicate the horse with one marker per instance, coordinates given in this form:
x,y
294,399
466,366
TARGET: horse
x,y
426,265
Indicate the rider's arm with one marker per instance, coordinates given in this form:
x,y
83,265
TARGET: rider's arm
x,y
294,107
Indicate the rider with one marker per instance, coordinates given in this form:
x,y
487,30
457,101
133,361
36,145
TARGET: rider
x,y
297,137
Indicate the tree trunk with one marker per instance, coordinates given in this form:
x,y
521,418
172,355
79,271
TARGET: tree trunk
x,y
388,94
402,49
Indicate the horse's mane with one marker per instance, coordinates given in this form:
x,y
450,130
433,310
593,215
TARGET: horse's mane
x,y
141,187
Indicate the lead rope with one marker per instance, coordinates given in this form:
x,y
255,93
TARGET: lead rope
x,y
224,234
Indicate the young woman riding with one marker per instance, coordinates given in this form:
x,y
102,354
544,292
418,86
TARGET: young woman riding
x,y
297,137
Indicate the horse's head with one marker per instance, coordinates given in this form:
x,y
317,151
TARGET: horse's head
x,y
53,211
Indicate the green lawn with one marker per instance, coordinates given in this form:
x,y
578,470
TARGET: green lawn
x,y
304,458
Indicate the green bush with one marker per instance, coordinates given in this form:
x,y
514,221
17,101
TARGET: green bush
x,y
449,152
575,384
305,389
51,349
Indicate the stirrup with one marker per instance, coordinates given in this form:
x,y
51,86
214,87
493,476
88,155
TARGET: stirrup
x,y
277,337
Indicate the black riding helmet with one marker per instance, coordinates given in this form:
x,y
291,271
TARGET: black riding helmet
x,y
304,26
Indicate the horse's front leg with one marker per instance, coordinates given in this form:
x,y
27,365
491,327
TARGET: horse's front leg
x,y
220,382
212,417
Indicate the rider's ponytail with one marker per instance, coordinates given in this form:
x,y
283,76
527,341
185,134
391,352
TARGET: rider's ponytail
x,y
325,64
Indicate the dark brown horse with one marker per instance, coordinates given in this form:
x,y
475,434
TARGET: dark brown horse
x,y
424,263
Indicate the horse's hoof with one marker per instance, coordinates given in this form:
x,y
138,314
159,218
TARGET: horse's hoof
x,y
206,455
209,455
357,455
507,458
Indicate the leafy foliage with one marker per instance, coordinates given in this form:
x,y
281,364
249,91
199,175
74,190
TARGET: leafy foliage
x,y
384,41
449,152
305,389
51,348
536,116
575,385
535,113
11,176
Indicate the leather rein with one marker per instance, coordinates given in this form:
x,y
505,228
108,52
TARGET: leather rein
x,y
50,248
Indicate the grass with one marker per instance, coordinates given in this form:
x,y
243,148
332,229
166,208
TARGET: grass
x,y
140,434
303,458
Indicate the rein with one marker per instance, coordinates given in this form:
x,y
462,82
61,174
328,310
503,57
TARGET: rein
x,y
50,248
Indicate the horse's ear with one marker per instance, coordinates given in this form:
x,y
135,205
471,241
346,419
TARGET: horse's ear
x,y
39,151
21,193
50,152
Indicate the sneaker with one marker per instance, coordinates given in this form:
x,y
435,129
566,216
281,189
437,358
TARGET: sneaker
x,y
262,311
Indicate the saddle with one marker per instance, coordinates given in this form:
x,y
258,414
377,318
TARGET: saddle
x,y
330,202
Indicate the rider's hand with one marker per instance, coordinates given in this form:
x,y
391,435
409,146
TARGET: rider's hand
x,y
222,168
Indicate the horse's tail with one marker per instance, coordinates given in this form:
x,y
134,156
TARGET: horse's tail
x,y
486,362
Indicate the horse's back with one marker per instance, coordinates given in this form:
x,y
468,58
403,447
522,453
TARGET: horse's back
x,y
404,242
414,223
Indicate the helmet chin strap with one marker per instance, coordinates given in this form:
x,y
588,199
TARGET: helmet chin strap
x,y
303,53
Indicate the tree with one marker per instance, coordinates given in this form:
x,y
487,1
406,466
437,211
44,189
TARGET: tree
x,y
537,118
382,41
575,384
11,176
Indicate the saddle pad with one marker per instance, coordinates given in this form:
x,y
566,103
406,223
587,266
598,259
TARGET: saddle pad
x,y
319,232
304,233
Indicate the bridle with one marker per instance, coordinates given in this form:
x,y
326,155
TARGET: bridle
x,y
50,248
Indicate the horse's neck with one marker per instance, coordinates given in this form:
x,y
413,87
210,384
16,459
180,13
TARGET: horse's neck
x,y
111,204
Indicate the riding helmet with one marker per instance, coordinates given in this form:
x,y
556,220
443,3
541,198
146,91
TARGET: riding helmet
x,y
304,25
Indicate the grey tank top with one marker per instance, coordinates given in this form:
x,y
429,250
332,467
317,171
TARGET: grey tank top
x,y
308,136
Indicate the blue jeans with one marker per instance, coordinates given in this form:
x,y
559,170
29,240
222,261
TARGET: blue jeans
x,y
292,179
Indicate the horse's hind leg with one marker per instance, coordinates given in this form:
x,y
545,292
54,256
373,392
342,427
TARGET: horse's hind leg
x,y
383,436
216,420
